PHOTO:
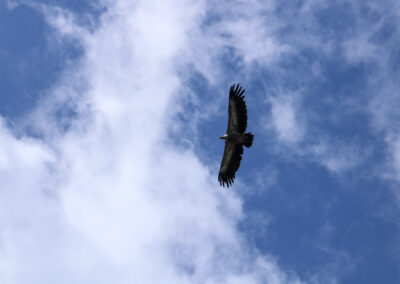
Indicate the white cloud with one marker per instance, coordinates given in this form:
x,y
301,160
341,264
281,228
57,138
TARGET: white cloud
x,y
111,199
337,157
286,120
289,121
249,27
11,4
394,144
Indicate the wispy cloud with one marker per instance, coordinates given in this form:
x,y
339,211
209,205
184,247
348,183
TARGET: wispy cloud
x,y
303,111
374,44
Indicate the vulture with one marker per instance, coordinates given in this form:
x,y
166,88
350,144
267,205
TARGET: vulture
x,y
234,137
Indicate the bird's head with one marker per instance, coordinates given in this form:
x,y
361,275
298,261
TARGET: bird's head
x,y
223,136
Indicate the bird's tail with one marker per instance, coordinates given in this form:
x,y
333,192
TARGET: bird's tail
x,y
248,139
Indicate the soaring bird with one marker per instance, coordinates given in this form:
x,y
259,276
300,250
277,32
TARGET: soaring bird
x,y
234,137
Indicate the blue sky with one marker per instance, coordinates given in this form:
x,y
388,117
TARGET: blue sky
x,y
110,117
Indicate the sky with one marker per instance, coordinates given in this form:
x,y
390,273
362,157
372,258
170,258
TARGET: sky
x,y
110,113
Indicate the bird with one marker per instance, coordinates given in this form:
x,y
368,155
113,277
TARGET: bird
x,y
235,136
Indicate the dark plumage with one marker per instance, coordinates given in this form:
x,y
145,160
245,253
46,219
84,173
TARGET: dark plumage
x,y
235,137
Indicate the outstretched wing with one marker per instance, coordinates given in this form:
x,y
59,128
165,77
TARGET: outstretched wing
x,y
237,120
230,163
